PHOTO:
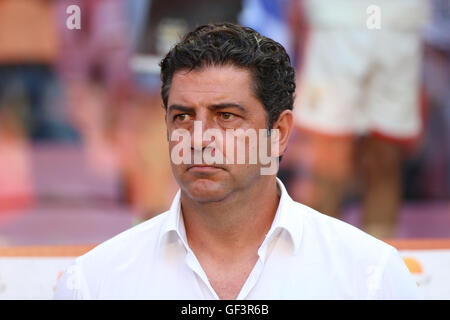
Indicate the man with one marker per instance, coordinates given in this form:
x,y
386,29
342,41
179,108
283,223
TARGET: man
x,y
232,231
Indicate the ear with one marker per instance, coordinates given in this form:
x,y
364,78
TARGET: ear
x,y
284,124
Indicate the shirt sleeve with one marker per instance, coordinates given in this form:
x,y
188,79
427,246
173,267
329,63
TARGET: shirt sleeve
x,y
71,285
397,282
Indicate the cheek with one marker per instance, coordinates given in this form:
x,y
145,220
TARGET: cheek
x,y
242,147
179,141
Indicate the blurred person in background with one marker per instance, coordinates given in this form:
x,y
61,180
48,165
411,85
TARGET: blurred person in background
x,y
110,102
357,105
28,51
93,65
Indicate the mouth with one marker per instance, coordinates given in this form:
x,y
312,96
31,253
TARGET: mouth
x,y
204,168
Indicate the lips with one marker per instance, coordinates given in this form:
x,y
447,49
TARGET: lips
x,y
204,168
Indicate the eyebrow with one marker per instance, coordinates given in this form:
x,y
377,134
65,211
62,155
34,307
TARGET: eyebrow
x,y
222,106
219,106
177,107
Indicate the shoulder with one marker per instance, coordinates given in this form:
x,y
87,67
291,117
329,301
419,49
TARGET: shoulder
x,y
339,240
333,228
96,273
126,244
366,266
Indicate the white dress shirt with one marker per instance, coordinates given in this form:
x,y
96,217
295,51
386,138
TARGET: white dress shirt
x,y
305,255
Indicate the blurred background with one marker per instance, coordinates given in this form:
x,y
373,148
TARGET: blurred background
x,y
83,148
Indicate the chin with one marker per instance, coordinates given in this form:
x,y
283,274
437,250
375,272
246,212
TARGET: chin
x,y
205,190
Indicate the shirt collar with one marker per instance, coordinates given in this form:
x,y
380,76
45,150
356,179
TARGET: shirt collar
x,y
286,218
174,222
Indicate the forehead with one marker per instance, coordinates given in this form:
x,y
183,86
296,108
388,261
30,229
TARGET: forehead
x,y
226,83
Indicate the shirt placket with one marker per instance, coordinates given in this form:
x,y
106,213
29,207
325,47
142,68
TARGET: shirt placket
x,y
193,263
257,270
251,280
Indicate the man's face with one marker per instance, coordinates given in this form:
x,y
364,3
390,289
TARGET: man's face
x,y
219,98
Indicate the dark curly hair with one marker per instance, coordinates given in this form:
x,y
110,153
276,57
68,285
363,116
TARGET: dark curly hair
x,y
228,43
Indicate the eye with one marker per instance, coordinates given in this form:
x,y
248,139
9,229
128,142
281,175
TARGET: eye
x,y
227,115
183,117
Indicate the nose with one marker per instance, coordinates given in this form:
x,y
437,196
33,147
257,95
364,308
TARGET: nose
x,y
199,141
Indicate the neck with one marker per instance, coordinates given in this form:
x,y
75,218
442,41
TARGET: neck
x,y
234,226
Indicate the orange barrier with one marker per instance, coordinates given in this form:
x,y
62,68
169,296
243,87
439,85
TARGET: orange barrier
x,y
419,244
45,251
75,251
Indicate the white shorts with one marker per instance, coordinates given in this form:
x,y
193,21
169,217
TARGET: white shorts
x,y
356,82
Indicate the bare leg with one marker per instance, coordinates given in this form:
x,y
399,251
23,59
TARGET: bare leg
x,y
381,165
326,165
330,193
